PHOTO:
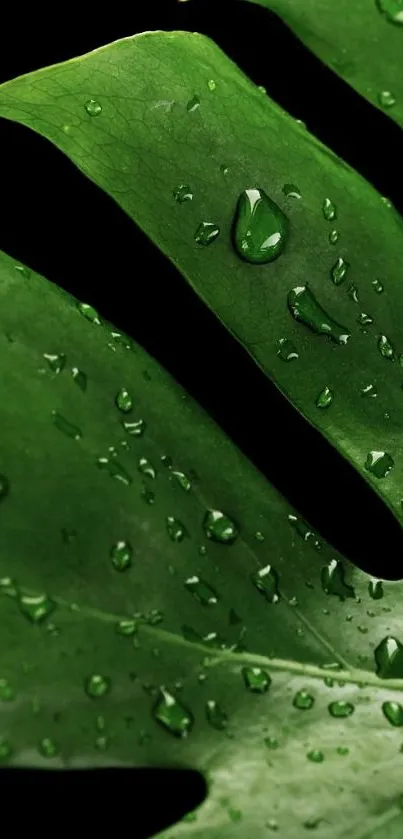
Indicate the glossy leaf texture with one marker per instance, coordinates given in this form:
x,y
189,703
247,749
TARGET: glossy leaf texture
x,y
160,602
361,41
188,153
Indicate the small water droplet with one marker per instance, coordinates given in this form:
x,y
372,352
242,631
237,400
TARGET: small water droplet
x,y
146,468
392,10
36,607
182,193
303,700
377,286
305,531
286,350
89,313
386,98
224,169
260,228
386,348
121,555
266,581
206,233
340,708
339,270
375,589
173,716
176,530
272,824
271,742
305,308
97,686
315,756
325,398
135,428
93,107
379,464
115,470
393,712
204,593
123,400
370,391
56,361
215,716
211,84
389,658
256,680
4,487
352,292
193,104
127,627
333,582
329,210
147,495
182,480
334,237
66,427
291,191
364,319
80,378
47,747
23,271
259,536
219,528
102,742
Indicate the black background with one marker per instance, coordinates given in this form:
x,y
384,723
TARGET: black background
x,y
63,226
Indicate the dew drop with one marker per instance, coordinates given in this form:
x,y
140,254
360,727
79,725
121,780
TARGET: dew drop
x,y
379,464
47,747
339,270
352,292
66,427
115,470
329,210
392,10
303,700
333,582
121,555
23,271
80,378
291,191
375,589
127,627
305,308
303,529
211,84
272,824
256,680
146,468
215,716
147,495
206,233
89,312
386,348
393,712
369,391
93,107
260,228
389,658
364,319
56,361
377,286
182,193
325,398
182,480
271,742
286,350
315,756
219,528
334,237
386,99
97,686
340,708
266,581
176,530
173,716
136,428
36,608
123,400
342,750
204,593
193,104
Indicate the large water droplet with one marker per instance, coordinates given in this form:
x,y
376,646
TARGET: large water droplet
x,y
204,593
375,589
136,428
182,193
341,708
379,463
176,530
123,400
329,210
304,307
256,680
219,527
325,398
121,555
56,361
303,700
392,10
260,228
97,686
339,270
93,107
173,716
215,716
393,712
80,378
36,607
206,233
146,468
333,582
66,427
286,350
89,312
389,658
266,581
115,470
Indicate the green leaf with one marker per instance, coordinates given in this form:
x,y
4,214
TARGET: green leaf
x,y
124,621
201,127
357,40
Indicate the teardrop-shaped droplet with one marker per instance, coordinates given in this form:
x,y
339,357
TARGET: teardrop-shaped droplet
x,y
211,84
172,715
182,193
334,237
389,658
333,582
266,581
375,589
386,99
260,228
193,104
136,428
286,350
339,270
66,427
305,531
377,286
182,480
386,348
89,312
146,468
352,292
303,700
329,210
206,233
219,527
121,555
123,400
215,716
80,378
379,464
56,361
256,680
36,608
325,398
204,593
393,712
305,308
176,530
93,107
115,470
341,708
97,686
392,10
291,191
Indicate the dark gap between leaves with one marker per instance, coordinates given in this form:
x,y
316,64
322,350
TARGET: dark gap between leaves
x,y
61,225
141,801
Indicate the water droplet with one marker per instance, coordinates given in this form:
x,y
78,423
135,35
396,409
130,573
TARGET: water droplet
x,y
5,749
127,627
352,292
147,495
329,210
123,400
182,480
339,270
66,427
4,486
136,428
256,680
97,686
386,348
36,607
215,716
211,84
219,527
266,581
386,99
93,107
291,191
341,708
224,169
7,692
342,750
286,350
47,747
375,589
304,307
206,233
89,312
379,464
115,470
333,582
146,468
392,10
325,398
260,228
303,529
259,536
80,378
204,593
272,824
176,530
173,716
303,700
102,742
364,319
370,391
389,658
193,104
334,237
56,361
182,193
271,742
315,756
121,555
23,271
377,286
393,712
